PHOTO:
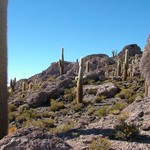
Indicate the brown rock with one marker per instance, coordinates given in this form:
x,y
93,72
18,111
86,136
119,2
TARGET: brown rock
x,y
33,138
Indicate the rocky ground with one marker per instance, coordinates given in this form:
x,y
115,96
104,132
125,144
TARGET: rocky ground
x,y
47,116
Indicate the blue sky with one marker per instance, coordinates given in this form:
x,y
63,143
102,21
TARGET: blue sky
x,y
37,29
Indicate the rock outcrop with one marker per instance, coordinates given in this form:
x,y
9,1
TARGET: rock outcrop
x,y
132,48
33,138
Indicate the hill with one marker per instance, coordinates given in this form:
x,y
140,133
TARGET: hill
x,y
114,114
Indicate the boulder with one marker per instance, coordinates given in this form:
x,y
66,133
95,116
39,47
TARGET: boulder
x,y
33,138
132,48
97,61
48,91
37,99
96,75
107,89
139,113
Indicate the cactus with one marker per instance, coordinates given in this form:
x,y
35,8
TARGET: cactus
x,y
80,82
125,65
3,69
87,66
30,86
12,84
146,90
23,86
126,57
22,95
61,62
118,68
136,57
125,69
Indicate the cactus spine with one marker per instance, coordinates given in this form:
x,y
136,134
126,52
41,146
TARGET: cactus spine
x,y
23,86
3,69
125,65
61,62
80,82
118,68
87,66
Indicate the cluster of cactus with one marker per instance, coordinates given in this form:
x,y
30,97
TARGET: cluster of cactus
x,y
13,83
24,86
80,82
61,62
125,69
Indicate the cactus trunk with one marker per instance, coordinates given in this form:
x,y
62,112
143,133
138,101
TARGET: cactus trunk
x,y
3,70
61,62
146,90
23,86
125,68
80,82
118,68
125,65
87,66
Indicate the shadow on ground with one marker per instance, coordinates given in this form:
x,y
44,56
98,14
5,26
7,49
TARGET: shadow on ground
x,y
74,133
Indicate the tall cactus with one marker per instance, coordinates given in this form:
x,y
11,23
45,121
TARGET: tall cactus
x,y
23,86
118,68
125,65
61,62
80,82
87,66
146,89
12,84
3,69
30,86
126,56
145,64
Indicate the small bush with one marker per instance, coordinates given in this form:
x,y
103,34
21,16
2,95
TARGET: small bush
x,y
31,114
119,106
66,126
69,94
69,97
100,144
56,106
91,110
11,130
48,123
103,111
48,114
124,131
92,91
12,116
51,78
123,116
77,107
37,123
11,107
20,119
127,94
98,99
